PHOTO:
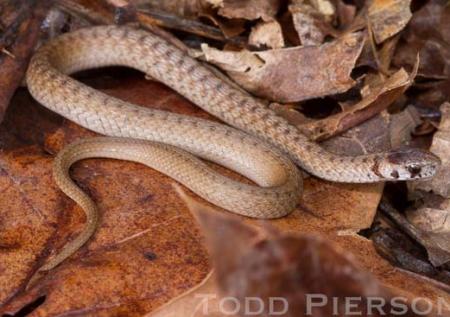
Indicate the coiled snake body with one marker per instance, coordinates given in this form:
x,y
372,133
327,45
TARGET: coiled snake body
x,y
261,153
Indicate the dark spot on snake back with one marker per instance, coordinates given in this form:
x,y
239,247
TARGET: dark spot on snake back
x,y
252,109
181,61
142,38
243,102
191,69
151,256
156,45
145,199
231,95
169,53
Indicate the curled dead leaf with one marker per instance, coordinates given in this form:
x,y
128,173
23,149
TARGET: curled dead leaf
x,y
440,183
436,243
433,215
17,42
264,263
288,75
247,9
402,125
308,23
388,17
378,97
432,212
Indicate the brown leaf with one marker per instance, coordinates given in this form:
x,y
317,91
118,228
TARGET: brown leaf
x,y
181,8
346,13
247,9
308,23
201,300
433,215
17,43
371,136
436,243
377,99
288,75
229,27
136,261
388,17
147,249
428,35
406,254
440,183
263,263
402,125
307,31
267,34
102,12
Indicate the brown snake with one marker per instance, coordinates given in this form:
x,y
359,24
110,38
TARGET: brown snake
x,y
260,153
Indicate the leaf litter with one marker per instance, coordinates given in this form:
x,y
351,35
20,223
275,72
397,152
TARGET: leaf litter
x,y
339,63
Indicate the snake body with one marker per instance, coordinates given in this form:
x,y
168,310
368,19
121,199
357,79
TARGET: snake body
x,y
260,146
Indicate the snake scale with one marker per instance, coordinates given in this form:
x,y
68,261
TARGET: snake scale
x,y
262,146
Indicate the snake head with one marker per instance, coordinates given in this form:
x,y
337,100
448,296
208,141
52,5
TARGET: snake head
x,y
408,164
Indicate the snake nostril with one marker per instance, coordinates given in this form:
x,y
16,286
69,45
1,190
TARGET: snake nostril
x,y
395,174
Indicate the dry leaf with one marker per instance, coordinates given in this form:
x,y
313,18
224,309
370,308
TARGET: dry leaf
x,y
230,61
388,17
181,8
17,42
346,13
402,125
147,249
428,34
378,98
288,75
247,9
267,34
440,183
201,300
146,231
437,243
308,23
433,216
406,254
325,7
229,27
263,263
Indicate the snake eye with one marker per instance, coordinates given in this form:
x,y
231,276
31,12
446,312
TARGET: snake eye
x,y
414,170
